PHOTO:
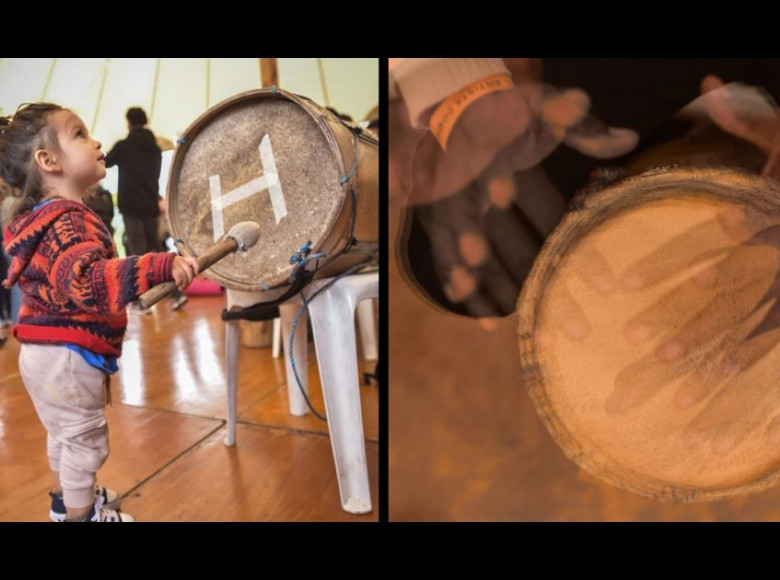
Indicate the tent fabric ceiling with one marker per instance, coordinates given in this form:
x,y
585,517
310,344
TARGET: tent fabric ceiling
x,y
176,91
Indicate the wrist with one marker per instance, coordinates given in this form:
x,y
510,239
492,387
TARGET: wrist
x,y
449,111
426,82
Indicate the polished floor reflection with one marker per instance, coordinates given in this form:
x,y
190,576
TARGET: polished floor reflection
x,y
167,427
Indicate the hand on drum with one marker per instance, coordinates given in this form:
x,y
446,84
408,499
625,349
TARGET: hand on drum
x,y
718,321
483,204
519,126
748,113
184,271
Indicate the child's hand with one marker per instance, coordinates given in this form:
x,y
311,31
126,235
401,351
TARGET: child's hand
x,y
184,270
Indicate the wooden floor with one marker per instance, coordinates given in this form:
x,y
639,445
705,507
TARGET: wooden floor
x,y
167,431
465,443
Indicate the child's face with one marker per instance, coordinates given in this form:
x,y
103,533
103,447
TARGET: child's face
x,y
80,158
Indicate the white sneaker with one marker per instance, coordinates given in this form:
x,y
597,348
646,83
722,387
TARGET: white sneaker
x,y
98,513
58,513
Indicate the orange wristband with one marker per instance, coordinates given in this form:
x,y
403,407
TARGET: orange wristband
x,y
447,114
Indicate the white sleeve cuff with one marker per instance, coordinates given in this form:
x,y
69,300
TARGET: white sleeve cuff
x,y
425,82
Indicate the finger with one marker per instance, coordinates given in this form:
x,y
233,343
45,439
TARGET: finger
x,y
595,139
741,224
513,241
743,403
743,111
499,285
636,384
564,108
769,236
535,196
721,314
711,370
679,253
772,319
708,303
489,323
454,230
593,268
575,324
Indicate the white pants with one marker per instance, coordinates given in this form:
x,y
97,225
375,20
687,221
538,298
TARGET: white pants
x,y
70,397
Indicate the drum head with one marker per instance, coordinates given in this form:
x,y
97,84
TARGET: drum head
x,y
649,333
263,156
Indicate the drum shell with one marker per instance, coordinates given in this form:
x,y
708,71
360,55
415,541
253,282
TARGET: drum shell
x,y
345,153
647,180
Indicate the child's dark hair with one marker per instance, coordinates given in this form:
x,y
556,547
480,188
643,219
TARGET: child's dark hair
x,y
136,117
20,137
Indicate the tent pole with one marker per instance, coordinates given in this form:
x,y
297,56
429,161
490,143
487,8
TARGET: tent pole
x,y
154,89
48,79
322,82
269,73
100,96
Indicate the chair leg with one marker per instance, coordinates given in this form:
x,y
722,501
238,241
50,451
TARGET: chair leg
x,y
336,358
276,346
231,349
365,315
288,311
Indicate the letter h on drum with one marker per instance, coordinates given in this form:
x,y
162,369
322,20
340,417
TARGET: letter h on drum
x,y
269,180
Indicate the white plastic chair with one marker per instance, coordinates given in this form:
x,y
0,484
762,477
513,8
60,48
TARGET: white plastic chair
x,y
365,316
332,315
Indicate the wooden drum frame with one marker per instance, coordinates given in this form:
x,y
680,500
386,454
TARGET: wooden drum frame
x,y
281,160
645,335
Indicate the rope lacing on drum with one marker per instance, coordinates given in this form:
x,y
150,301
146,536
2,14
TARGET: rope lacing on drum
x,y
351,171
302,257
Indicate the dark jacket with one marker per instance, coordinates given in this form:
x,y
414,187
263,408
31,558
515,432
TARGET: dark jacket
x,y
139,160
99,200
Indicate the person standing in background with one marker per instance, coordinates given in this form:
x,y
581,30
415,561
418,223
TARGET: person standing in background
x,y
99,200
139,160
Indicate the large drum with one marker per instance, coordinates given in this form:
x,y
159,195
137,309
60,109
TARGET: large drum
x,y
649,330
295,168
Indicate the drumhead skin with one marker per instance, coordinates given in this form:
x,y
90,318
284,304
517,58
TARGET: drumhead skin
x,y
649,332
280,160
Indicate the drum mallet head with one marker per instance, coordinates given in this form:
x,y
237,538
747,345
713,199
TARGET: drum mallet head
x,y
240,238
245,234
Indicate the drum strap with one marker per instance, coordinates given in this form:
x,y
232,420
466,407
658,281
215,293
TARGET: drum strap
x,y
269,310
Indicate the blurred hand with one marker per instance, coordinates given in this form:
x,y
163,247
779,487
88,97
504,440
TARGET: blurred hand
x,y
518,127
710,330
484,204
184,270
745,112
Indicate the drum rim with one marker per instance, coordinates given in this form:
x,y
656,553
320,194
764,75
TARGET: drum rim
x,y
583,216
186,138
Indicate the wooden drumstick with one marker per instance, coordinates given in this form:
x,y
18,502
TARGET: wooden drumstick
x,y
240,238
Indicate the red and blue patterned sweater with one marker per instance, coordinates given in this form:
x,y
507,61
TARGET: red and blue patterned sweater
x,y
75,288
